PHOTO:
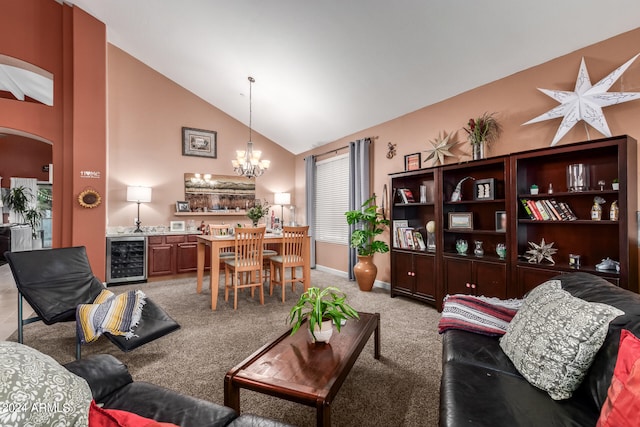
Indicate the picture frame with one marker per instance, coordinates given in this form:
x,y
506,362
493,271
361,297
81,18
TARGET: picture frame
x,y
484,189
177,225
199,142
412,161
501,221
182,206
461,220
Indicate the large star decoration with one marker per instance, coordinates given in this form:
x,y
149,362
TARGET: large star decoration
x,y
586,101
542,251
440,150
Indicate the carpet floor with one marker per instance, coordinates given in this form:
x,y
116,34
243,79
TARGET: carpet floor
x,y
399,389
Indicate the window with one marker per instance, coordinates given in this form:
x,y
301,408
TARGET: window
x,y
332,200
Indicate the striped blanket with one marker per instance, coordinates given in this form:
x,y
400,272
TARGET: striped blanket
x,y
482,315
115,314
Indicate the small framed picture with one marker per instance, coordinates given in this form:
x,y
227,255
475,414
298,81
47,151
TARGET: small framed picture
x,y
199,142
176,226
412,161
501,221
182,207
461,220
484,189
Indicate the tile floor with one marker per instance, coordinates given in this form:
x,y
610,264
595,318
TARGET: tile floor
x,y
9,303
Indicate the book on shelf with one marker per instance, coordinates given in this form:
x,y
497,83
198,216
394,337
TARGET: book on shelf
x,y
419,241
548,210
408,238
396,225
406,195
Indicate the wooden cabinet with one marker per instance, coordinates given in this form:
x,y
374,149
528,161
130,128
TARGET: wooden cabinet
x,y
482,201
594,240
414,275
475,277
173,254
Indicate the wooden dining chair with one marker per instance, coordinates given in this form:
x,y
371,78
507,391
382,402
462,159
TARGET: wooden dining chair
x,y
292,256
247,259
221,230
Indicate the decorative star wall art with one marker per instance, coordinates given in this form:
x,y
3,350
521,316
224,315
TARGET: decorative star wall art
x,y
586,101
441,146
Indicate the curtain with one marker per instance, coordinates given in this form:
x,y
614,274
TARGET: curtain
x,y
310,194
31,184
359,188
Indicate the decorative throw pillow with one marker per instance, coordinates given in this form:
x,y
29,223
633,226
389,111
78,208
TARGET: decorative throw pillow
x,y
481,315
622,407
35,390
100,417
554,337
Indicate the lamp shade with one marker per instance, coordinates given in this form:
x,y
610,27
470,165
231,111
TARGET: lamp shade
x,y
282,198
139,194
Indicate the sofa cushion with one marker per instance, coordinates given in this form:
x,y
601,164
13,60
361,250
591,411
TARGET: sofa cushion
x,y
481,397
36,390
554,337
481,315
623,401
161,404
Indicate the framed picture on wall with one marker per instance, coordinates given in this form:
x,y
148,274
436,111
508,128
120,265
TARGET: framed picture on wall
x,y
199,142
412,161
182,207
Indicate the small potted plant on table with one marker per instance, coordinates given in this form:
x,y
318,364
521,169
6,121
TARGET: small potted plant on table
x,y
322,308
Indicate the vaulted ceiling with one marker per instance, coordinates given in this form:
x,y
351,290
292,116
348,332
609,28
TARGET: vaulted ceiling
x,y
327,69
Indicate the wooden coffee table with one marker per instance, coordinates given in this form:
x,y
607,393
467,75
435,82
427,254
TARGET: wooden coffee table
x,y
293,368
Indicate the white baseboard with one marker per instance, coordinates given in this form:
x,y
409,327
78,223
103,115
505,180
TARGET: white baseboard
x,y
343,274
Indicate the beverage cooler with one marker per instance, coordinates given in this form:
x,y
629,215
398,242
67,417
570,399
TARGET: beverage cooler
x,y
126,259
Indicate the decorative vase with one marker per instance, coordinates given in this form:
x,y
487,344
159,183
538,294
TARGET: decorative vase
x,y
365,271
322,332
478,150
501,250
462,246
478,251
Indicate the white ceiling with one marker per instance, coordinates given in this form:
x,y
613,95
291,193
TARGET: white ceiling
x,y
328,69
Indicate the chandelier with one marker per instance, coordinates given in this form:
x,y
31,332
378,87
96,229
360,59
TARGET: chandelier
x,y
247,162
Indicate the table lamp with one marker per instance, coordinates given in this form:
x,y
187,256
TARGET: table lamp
x,y
139,195
282,199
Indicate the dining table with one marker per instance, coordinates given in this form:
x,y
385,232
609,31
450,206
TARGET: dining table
x,y
217,243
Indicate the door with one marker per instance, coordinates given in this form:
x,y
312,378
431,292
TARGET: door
x,y
457,274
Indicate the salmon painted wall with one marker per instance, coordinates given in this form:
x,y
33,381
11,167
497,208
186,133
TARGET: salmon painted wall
x,y
146,114
515,100
66,42
23,157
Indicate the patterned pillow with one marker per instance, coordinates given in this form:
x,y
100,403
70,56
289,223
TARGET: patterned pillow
x,y
554,337
36,390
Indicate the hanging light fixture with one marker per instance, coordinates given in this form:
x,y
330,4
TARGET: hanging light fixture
x,y
247,162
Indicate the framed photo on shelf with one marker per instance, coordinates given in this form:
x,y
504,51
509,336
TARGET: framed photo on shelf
x,y
199,142
484,189
461,220
412,161
501,221
182,207
176,226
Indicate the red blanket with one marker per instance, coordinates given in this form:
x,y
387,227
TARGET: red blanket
x,y
100,417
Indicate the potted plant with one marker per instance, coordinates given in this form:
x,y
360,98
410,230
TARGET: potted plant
x,y
481,133
371,224
534,189
321,308
259,210
615,184
17,200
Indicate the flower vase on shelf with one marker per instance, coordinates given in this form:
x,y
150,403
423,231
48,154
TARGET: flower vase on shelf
x,y
479,150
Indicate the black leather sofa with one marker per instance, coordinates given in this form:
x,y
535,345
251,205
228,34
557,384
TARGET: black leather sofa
x,y
481,387
112,385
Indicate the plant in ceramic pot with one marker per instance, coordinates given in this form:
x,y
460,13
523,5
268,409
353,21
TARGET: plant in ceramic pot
x,y
321,308
259,210
370,224
17,199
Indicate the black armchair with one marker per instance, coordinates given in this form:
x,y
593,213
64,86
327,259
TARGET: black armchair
x,y
55,281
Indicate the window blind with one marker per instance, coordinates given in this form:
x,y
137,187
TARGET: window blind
x,y
332,200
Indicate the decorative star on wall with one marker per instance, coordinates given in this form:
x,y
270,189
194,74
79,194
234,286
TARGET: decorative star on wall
x,y
440,150
586,101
